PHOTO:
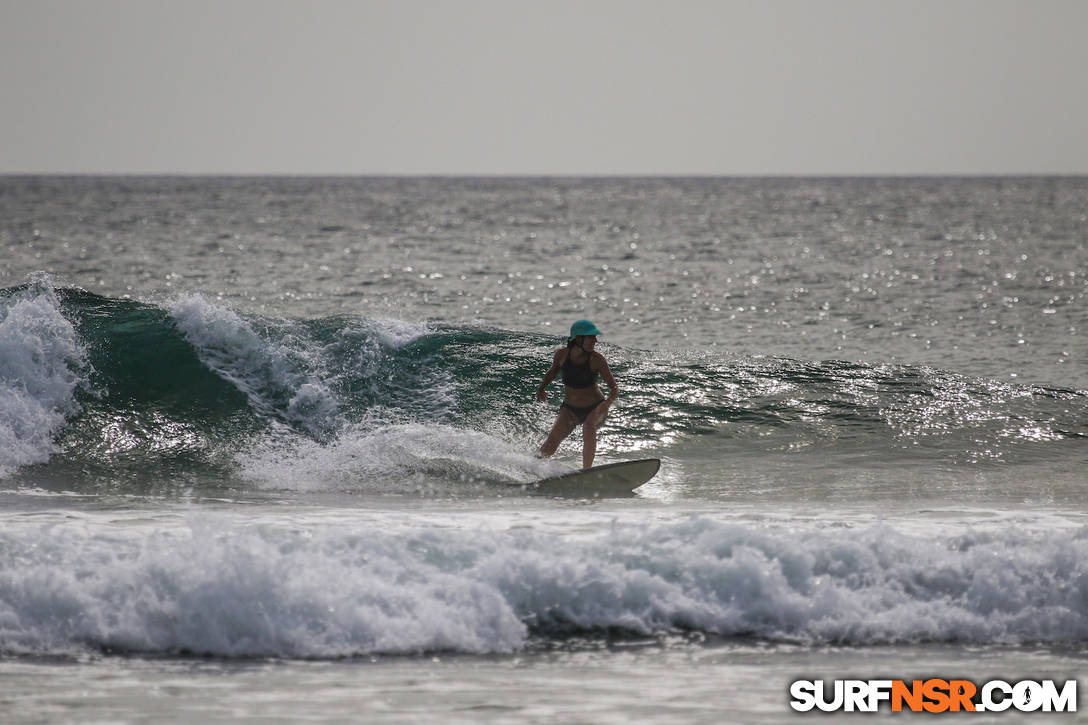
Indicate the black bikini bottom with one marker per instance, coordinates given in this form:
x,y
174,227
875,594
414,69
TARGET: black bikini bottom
x,y
581,412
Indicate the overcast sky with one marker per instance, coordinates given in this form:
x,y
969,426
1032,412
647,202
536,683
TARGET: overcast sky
x,y
544,86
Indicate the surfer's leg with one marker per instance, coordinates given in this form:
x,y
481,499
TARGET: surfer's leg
x,y
589,441
565,422
589,434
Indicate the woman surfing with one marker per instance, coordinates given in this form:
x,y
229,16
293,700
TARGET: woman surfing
x,y
583,402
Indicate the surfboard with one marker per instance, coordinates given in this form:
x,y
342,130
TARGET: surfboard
x,y
612,479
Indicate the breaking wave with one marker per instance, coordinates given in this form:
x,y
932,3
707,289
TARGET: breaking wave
x,y
234,588
120,392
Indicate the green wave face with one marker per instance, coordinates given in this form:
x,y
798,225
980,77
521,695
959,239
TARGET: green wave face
x,y
169,395
150,406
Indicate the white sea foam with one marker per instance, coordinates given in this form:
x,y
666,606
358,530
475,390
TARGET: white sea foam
x,y
365,343
396,334
229,587
388,459
236,590
270,374
41,364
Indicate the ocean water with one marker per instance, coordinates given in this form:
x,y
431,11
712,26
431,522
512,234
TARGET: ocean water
x,y
262,441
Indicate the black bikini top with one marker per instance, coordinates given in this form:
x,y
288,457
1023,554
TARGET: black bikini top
x,y
578,376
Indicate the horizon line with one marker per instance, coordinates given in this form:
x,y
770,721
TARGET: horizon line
x,y
520,175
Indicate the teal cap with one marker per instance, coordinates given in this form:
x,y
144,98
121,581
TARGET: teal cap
x,y
583,327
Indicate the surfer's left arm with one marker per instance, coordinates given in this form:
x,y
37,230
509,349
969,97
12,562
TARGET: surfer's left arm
x,y
613,387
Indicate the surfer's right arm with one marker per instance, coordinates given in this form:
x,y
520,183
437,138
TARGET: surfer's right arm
x,y
553,371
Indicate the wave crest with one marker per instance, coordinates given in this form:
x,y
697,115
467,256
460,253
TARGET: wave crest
x,y
272,376
42,363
